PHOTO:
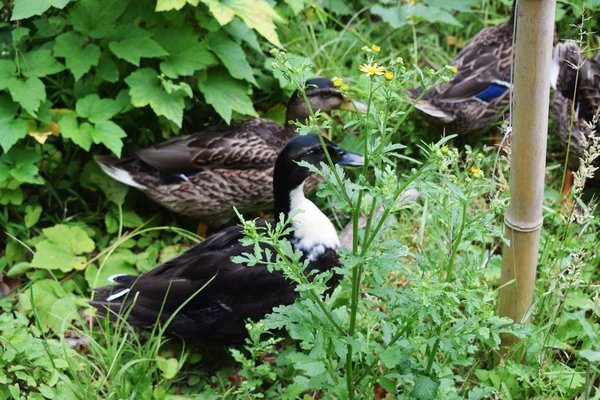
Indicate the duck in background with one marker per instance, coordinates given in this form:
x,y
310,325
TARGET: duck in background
x,y
574,77
206,174
224,294
479,94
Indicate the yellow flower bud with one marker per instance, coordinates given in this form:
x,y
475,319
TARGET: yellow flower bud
x,y
337,82
444,149
389,75
375,48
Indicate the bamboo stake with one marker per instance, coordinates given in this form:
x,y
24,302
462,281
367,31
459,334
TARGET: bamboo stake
x,y
523,218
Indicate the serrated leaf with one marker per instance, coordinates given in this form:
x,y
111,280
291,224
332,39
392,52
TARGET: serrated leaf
x,y
79,57
391,356
257,14
30,93
40,63
167,5
96,18
186,54
54,307
109,134
12,129
96,109
71,238
137,44
28,8
146,89
225,93
49,255
425,388
80,135
232,55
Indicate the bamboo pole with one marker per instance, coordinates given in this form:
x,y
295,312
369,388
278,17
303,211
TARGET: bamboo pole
x,y
523,218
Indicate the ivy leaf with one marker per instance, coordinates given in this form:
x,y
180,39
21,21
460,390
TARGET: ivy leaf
x,y
79,59
40,63
109,134
96,109
257,14
167,5
55,307
96,18
12,129
137,43
232,55
225,93
186,54
425,388
145,88
28,8
29,93
80,135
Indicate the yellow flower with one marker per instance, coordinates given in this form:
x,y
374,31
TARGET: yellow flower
x,y
476,171
372,70
453,69
337,82
273,51
445,149
375,48
389,75
344,87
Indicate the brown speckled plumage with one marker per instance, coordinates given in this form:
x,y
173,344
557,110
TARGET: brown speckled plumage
x,y
206,174
484,61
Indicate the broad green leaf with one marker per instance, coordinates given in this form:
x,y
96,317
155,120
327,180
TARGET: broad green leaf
x,y
186,54
49,255
11,196
240,31
54,307
72,238
11,129
137,44
225,94
18,34
32,215
434,14
425,388
392,356
40,63
28,8
167,5
107,69
61,248
168,366
109,134
295,5
339,7
232,55
257,14
590,355
396,17
94,178
96,18
96,109
80,135
79,58
8,71
146,89
30,93
26,173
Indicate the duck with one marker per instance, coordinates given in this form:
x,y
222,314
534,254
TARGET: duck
x,y
584,89
479,94
226,293
205,174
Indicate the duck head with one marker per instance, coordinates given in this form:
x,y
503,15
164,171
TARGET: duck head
x,y
314,233
322,95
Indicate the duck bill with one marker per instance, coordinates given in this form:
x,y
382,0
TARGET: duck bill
x,y
350,159
355,106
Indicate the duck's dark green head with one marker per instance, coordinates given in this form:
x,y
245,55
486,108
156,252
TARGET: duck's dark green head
x,y
307,148
322,95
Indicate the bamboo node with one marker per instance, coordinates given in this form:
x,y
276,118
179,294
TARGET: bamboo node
x,y
522,226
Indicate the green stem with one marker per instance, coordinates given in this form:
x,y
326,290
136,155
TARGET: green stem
x,y
432,355
457,241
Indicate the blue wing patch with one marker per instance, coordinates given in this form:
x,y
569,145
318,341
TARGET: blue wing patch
x,y
493,91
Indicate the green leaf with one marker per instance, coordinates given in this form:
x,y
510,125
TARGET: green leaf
x,y
50,255
30,93
26,173
240,31
590,355
28,8
40,63
96,18
72,238
107,69
257,14
109,134
94,178
79,58
425,388
186,54
32,215
54,307
232,55
167,5
11,196
396,17
225,93
96,109
434,14
61,247
137,43
392,356
18,34
12,129
80,135
146,89
168,366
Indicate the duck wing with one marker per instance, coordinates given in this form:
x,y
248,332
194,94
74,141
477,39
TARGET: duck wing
x,y
589,89
252,143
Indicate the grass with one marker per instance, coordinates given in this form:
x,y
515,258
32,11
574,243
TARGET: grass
x,y
416,315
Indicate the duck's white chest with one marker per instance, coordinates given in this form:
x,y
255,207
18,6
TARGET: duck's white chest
x,y
314,231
